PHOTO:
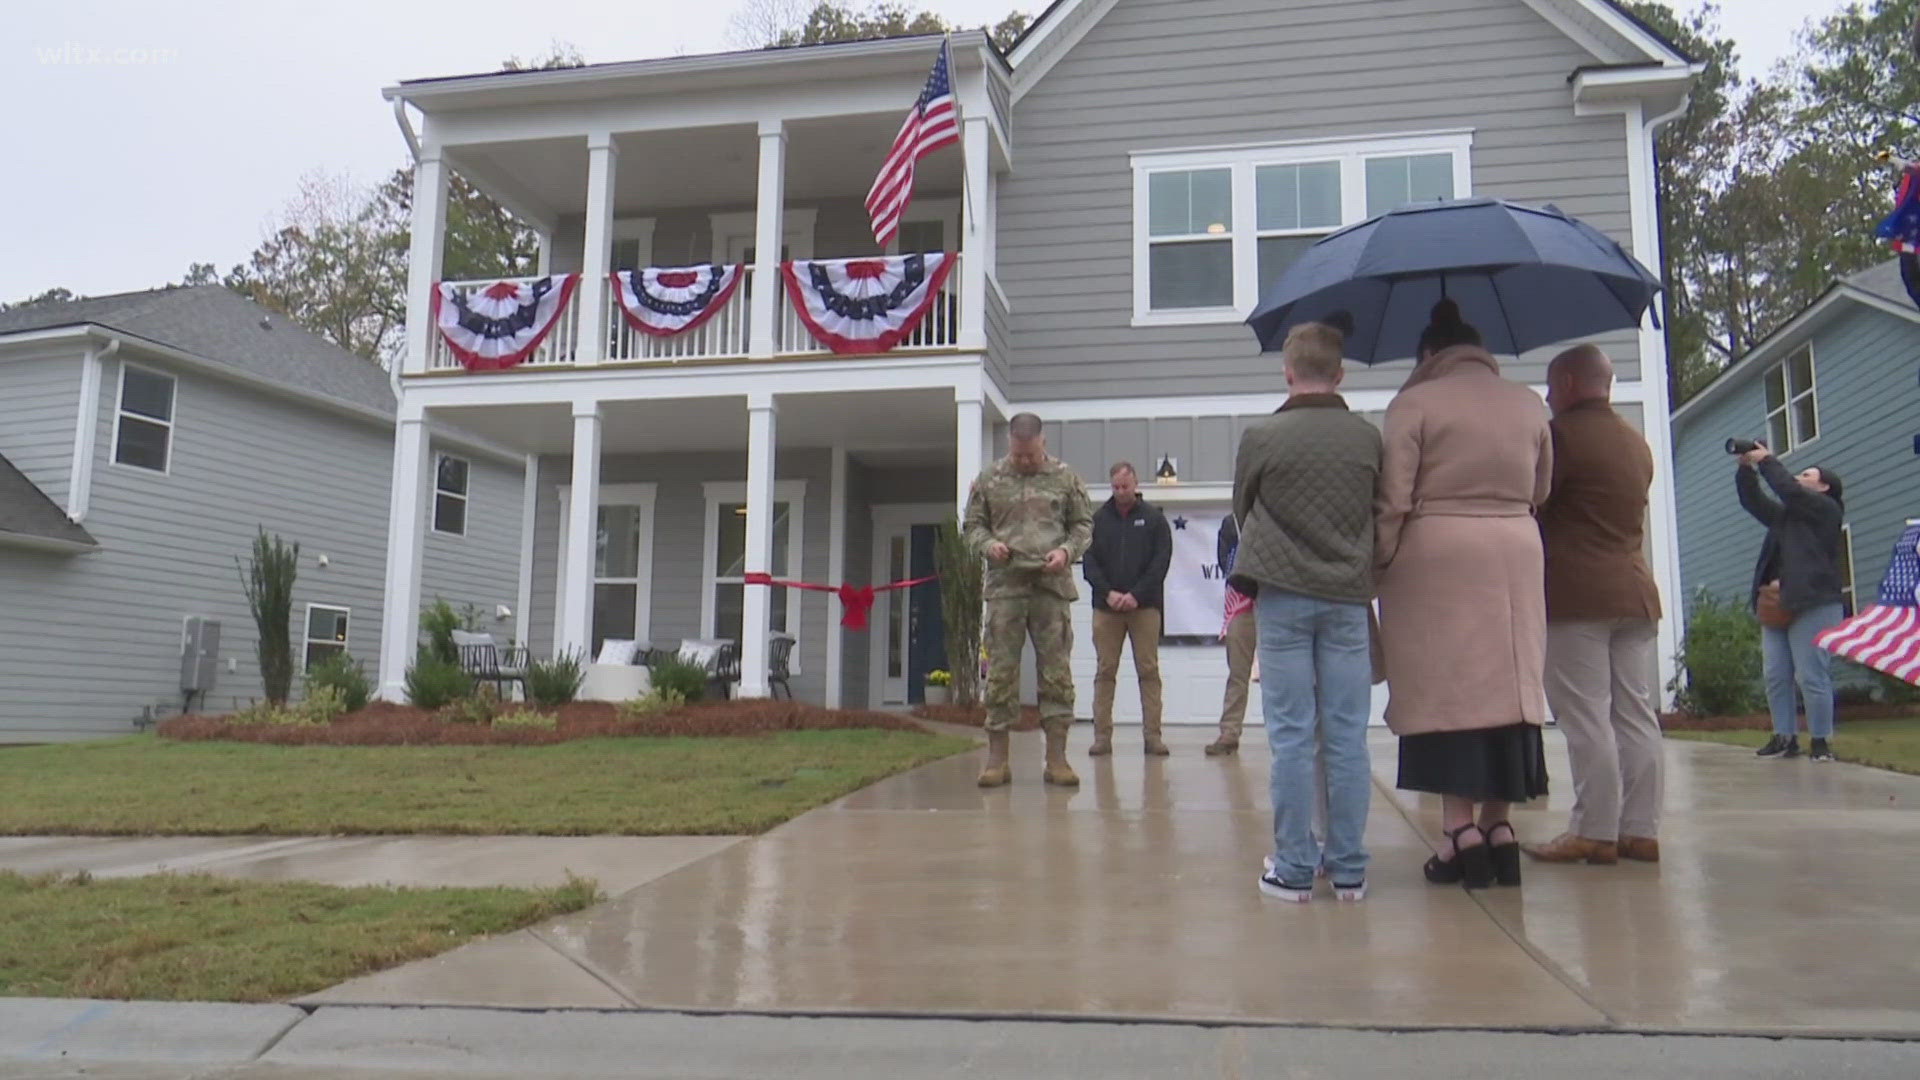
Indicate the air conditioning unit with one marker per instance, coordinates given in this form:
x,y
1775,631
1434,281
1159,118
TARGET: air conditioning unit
x,y
199,655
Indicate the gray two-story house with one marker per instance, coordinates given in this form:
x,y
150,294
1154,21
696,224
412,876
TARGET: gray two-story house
x,y
1836,388
145,438
1129,176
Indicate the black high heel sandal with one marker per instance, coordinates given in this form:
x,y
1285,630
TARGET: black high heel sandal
x,y
1471,867
1505,857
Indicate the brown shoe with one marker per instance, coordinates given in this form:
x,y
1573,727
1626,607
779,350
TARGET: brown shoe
x,y
1222,747
1102,739
996,773
1568,848
1640,848
1057,769
1154,747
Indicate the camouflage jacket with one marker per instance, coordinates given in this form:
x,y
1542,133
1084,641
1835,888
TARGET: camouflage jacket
x,y
1031,513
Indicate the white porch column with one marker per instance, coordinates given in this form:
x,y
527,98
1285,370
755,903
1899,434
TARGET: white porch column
x,y
583,528
969,449
529,520
836,573
406,548
756,623
597,260
976,234
426,258
769,229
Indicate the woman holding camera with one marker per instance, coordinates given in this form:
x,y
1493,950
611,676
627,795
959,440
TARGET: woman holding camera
x,y
1796,592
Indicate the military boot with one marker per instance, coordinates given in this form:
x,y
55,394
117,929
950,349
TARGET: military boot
x,y
996,772
1150,728
1058,771
1102,738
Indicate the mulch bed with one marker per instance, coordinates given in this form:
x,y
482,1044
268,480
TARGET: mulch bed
x,y
975,716
1764,722
386,724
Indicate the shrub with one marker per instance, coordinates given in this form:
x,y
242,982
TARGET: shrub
x,y
268,582
345,674
479,707
1858,684
1719,660
322,706
433,683
553,683
438,624
687,680
657,700
962,586
526,718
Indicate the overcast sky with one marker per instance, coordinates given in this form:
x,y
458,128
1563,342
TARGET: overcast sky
x,y
146,136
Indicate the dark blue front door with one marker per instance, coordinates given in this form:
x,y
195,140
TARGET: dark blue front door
x,y
926,633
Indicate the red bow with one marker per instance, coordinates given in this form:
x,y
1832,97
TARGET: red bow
x,y
857,600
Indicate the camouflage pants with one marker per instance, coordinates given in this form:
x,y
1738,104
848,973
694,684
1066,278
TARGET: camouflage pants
x,y
1049,620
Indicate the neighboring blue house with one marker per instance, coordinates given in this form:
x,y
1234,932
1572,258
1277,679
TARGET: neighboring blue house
x,y
1834,388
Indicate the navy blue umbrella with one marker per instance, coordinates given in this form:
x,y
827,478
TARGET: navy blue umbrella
x,y
1523,276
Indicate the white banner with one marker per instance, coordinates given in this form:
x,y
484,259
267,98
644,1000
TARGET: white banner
x,y
1196,584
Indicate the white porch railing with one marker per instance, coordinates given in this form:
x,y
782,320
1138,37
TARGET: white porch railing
x,y
723,335
940,329
559,346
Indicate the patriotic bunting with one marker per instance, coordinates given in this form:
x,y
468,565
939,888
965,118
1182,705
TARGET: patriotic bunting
x,y
664,301
1886,636
500,325
865,305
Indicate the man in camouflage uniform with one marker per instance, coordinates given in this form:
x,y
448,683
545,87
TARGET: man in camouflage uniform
x,y
1030,517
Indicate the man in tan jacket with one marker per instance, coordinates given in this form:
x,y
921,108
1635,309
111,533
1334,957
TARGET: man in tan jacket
x,y
1602,612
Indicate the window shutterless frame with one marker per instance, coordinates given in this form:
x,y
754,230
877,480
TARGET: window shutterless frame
x,y
122,416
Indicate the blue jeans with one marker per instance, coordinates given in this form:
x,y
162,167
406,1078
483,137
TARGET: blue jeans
x,y
1316,675
1790,657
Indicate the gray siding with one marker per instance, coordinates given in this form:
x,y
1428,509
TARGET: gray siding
x,y
39,399
482,568
1863,374
87,641
999,342
1156,75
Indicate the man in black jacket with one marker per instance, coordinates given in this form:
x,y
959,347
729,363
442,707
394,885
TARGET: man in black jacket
x,y
1127,570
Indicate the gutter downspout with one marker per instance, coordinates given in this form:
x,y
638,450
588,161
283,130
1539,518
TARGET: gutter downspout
x,y
86,430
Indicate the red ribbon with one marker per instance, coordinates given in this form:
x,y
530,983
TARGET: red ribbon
x,y
857,600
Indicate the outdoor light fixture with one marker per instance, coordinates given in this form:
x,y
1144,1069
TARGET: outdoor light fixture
x,y
1216,229
1168,472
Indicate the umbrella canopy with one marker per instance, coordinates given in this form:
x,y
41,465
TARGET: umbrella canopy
x,y
1523,276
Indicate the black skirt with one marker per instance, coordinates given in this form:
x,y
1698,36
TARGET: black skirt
x,y
1505,764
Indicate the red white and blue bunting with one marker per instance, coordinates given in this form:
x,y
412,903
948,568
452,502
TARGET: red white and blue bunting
x,y
865,305
664,301
500,325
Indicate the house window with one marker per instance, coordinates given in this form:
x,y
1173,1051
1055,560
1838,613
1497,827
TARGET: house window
x,y
143,428
1214,229
450,478
923,236
618,572
727,558
1793,410
1846,570
326,632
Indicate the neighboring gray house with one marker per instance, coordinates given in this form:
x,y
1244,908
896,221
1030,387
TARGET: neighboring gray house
x,y
144,438
1130,175
1836,387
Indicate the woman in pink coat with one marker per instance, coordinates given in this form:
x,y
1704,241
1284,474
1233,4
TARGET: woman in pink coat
x,y
1463,617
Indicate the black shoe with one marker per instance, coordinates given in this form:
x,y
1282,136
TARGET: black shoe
x,y
1820,751
1471,867
1505,857
1775,746
1793,748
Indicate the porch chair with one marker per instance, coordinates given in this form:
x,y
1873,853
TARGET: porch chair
x,y
719,658
779,661
488,662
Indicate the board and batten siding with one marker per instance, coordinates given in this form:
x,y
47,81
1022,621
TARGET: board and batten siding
x,y
1864,364
1154,75
88,641
39,400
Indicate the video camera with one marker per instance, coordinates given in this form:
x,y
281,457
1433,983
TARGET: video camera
x,y
1737,447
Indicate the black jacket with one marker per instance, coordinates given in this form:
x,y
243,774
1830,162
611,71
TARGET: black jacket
x,y
1129,554
1802,548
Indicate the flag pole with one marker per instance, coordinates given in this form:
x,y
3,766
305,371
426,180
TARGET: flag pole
x,y
966,185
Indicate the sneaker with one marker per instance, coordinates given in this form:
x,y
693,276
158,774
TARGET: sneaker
x,y
1350,893
1774,748
1793,748
1271,885
1820,751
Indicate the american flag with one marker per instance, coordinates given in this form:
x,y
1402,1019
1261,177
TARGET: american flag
x,y
1886,636
1238,604
932,123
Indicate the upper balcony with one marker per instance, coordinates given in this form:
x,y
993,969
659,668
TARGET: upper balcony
x,y
711,160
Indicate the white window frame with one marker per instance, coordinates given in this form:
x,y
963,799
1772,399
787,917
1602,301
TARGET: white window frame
x,y
1851,595
1790,399
120,414
307,640
1352,156
944,211
646,497
721,492
465,497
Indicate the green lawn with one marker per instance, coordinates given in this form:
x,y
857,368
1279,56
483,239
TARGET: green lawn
x,y
1884,744
633,786
204,939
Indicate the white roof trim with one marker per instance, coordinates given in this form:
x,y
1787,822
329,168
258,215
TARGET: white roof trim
x,y
1788,338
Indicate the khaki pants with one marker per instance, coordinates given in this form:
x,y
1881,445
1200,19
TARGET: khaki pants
x,y
1243,638
1111,629
1600,678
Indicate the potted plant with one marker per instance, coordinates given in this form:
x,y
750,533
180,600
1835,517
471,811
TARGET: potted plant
x,y
939,687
